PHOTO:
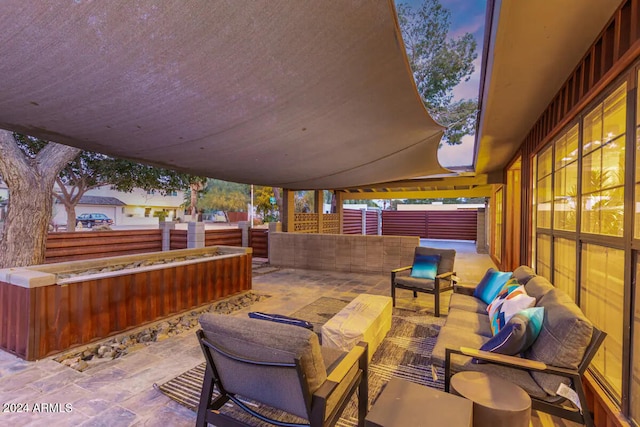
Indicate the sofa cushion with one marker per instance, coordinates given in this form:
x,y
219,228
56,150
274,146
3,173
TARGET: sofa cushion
x,y
538,287
518,334
477,323
510,301
415,282
564,337
490,285
454,337
523,274
270,342
467,303
425,266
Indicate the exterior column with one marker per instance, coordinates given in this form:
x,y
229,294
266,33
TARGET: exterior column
x,y
195,235
481,235
288,210
364,221
166,227
319,205
380,222
339,210
274,227
245,226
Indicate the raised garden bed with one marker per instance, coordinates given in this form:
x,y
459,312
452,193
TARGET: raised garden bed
x,y
50,308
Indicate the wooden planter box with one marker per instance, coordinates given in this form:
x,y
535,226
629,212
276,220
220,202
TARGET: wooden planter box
x,y
41,314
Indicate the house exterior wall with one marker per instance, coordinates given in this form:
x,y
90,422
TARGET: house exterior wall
x,y
581,189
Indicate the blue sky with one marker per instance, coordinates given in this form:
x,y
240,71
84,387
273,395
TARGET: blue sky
x,y
467,16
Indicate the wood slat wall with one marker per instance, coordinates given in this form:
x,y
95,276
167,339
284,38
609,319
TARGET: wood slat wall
x,y
177,239
41,321
99,244
351,221
225,237
372,223
404,223
454,225
260,242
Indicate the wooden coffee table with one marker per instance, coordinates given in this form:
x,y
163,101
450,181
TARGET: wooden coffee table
x,y
403,403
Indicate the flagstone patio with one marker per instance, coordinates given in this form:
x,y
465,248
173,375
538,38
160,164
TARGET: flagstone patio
x,y
121,392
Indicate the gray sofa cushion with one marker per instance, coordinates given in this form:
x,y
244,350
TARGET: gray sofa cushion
x,y
523,274
467,303
564,337
270,342
538,287
453,337
415,282
477,323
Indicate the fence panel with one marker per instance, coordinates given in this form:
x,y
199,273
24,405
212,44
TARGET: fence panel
x,y
223,237
260,242
177,239
404,223
372,222
62,246
454,225
351,221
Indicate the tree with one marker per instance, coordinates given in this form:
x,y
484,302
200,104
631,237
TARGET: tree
x,y
439,64
225,196
30,181
91,170
262,197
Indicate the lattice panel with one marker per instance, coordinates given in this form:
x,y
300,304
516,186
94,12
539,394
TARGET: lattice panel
x,y
330,223
305,223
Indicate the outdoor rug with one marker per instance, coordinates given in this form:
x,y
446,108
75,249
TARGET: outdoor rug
x,y
404,353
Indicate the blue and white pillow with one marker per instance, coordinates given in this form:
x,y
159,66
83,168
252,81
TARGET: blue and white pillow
x,y
490,285
425,266
518,334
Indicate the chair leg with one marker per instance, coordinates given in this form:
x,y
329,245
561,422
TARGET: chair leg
x,y
436,296
205,399
393,294
415,294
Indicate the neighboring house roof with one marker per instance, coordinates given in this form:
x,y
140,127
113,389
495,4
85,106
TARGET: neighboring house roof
x,y
99,200
307,95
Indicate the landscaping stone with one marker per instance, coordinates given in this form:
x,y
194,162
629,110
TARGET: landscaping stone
x,y
123,344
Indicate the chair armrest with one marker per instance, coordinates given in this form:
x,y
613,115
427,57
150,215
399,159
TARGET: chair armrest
x,y
398,270
463,289
450,275
502,359
346,364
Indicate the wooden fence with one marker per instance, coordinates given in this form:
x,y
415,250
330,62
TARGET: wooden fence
x,y
454,225
99,244
371,224
260,242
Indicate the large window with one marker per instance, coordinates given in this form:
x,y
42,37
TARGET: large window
x,y
564,265
637,204
603,166
497,236
579,210
602,299
635,354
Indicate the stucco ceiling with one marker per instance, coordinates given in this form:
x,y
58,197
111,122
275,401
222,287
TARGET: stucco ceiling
x,y
302,95
533,48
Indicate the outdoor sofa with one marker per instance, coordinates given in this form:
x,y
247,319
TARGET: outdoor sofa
x,y
562,351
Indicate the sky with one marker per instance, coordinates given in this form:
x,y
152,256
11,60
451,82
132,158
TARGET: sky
x,y
467,16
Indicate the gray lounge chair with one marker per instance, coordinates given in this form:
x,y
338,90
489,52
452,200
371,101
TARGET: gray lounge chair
x,y
281,366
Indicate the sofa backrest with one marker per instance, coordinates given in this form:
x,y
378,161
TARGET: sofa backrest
x,y
538,287
259,340
563,339
523,274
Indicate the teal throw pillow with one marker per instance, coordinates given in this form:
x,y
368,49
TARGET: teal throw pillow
x,y
425,266
490,285
518,334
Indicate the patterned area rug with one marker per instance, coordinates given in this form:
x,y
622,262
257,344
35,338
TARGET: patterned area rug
x,y
404,353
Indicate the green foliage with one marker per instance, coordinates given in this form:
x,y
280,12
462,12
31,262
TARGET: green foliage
x,y
439,64
262,197
225,196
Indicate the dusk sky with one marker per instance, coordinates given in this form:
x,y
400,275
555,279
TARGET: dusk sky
x,y
467,16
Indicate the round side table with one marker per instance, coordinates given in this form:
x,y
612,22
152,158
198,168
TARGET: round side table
x,y
496,402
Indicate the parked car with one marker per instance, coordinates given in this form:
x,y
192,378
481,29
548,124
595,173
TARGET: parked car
x,y
90,219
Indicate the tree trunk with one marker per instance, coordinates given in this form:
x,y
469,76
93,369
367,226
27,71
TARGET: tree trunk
x,y
30,183
71,216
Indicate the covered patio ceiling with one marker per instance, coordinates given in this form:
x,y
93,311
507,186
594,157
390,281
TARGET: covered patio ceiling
x,y
301,95
531,49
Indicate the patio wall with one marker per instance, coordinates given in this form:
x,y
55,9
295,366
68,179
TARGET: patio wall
x,y
348,253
